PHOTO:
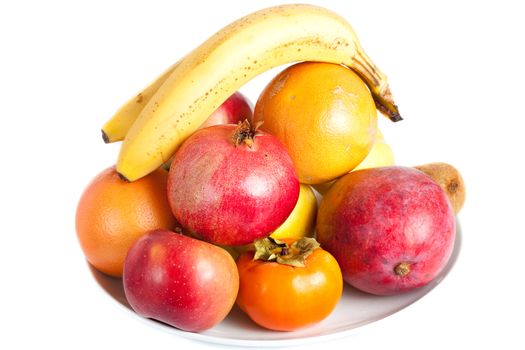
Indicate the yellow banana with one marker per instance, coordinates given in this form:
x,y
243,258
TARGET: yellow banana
x,y
116,128
208,75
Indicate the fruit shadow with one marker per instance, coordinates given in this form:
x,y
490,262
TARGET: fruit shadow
x,y
111,285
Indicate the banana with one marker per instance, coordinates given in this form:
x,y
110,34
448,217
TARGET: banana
x,y
226,61
116,128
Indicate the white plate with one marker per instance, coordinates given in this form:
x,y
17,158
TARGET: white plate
x,y
355,309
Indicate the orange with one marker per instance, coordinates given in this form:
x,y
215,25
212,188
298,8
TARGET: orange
x,y
113,213
325,116
380,154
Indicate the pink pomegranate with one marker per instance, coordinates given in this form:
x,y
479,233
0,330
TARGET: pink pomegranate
x,y
232,184
391,229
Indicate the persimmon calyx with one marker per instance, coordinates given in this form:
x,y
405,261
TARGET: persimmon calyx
x,y
270,249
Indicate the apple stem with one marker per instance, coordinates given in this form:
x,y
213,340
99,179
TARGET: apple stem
x,y
402,269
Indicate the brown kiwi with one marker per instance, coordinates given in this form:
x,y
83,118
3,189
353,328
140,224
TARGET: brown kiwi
x,y
449,178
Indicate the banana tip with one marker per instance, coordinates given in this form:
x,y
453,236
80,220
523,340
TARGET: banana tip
x,y
396,117
122,177
105,137
387,107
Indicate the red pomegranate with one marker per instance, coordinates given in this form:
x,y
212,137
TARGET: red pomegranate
x,y
391,229
232,184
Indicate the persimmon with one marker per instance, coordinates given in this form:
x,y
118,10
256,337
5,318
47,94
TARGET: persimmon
x,y
289,284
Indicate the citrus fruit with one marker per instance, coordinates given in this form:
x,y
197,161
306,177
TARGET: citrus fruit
x,y
113,213
301,221
380,155
325,116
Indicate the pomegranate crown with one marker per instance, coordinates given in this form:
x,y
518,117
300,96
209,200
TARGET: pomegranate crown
x,y
245,133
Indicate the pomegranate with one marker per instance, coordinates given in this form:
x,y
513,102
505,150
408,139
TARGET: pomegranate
x,y
232,184
391,229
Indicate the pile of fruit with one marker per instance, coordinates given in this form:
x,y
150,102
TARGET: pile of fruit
x,y
212,204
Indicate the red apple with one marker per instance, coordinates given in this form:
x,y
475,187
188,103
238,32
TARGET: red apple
x,y
235,109
391,229
181,281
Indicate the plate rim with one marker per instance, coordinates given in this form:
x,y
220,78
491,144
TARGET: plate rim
x,y
272,343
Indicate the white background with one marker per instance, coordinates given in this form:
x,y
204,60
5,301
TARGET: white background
x,y
456,71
